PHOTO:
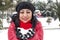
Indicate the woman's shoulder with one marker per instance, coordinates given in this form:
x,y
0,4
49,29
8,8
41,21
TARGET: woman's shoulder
x,y
38,23
38,26
12,25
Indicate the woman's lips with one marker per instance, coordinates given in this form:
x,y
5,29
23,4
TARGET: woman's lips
x,y
25,19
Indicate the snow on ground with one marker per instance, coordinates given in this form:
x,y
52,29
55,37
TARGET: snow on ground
x,y
53,24
3,34
52,34
5,23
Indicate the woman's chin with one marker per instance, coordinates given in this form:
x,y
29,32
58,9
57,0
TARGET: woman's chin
x,y
25,21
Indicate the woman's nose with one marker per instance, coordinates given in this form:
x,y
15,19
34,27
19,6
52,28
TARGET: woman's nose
x,y
25,14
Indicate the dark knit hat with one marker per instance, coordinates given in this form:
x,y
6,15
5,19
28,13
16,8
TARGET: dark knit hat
x,y
25,5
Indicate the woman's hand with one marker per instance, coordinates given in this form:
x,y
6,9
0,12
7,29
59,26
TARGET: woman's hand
x,y
28,34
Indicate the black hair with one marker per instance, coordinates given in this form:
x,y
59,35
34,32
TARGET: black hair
x,y
23,5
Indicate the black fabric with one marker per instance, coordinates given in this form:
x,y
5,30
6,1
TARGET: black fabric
x,y
25,5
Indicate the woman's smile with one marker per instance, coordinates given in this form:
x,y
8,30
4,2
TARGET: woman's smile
x,y
25,18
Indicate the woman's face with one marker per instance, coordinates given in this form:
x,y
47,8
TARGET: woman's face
x,y
25,15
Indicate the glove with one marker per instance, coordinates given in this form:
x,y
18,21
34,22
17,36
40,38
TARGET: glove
x,y
19,34
29,34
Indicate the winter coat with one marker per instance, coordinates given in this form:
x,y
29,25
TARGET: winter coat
x,y
38,32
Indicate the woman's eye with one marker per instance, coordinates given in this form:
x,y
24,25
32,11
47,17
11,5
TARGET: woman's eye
x,y
28,12
22,12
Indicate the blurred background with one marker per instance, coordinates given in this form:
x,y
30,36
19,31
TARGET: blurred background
x,y
47,12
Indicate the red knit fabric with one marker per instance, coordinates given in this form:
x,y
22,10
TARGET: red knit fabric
x,y
25,25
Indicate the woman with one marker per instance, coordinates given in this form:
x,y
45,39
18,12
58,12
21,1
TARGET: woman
x,y
25,21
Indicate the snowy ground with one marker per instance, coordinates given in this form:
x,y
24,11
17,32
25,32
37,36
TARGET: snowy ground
x,y
3,35
49,34
53,24
52,34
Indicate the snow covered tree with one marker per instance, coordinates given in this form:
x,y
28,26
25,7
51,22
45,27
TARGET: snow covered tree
x,y
51,9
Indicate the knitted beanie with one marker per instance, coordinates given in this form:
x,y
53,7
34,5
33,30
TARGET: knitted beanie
x,y
25,5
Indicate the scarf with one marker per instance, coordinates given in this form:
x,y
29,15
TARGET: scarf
x,y
25,25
